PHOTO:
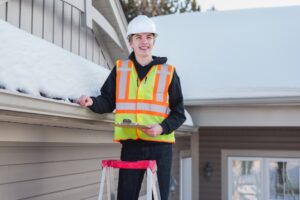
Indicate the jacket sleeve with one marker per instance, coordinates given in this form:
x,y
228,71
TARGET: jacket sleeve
x,y
177,116
106,101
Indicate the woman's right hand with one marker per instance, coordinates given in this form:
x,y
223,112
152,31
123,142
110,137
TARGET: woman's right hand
x,y
85,101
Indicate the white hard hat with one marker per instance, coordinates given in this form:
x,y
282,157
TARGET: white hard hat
x,y
141,24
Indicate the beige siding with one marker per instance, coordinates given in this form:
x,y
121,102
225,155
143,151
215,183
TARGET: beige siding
x,y
213,140
26,16
3,11
67,28
45,172
83,40
75,31
48,20
90,43
37,18
13,12
57,22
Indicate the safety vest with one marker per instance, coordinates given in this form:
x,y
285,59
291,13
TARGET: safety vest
x,y
142,101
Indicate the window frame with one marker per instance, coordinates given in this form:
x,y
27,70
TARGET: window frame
x,y
264,155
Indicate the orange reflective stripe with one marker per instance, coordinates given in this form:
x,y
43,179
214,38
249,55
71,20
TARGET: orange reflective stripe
x,y
162,81
119,64
156,83
123,79
167,84
143,101
142,112
143,106
159,140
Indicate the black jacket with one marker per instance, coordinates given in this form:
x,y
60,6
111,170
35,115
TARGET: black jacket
x,y
106,102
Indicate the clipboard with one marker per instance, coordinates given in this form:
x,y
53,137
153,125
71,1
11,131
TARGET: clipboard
x,y
132,125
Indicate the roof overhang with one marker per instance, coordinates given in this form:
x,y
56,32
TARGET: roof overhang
x,y
23,108
245,112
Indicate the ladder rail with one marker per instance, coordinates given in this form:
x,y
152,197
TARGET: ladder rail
x,y
103,174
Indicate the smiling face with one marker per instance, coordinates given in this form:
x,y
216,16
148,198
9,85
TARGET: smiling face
x,y
142,44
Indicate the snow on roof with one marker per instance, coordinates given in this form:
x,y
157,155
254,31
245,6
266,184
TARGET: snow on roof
x,y
246,53
189,120
31,65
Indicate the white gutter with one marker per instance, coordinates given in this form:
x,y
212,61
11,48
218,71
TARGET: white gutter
x,y
292,100
27,104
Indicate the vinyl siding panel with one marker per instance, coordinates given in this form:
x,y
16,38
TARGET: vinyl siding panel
x,y
37,18
213,140
57,22
26,16
67,28
3,11
75,30
49,20
46,172
90,43
96,52
83,40
13,14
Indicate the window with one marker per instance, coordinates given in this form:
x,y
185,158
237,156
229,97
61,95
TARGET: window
x,y
263,178
245,178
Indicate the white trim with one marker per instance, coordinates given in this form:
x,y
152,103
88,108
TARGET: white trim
x,y
246,115
292,100
195,149
11,101
183,155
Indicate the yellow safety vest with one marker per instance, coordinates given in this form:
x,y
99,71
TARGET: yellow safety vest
x,y
142,101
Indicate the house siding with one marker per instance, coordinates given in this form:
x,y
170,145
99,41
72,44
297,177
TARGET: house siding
x,y
59,23
213,140
52,161
53,171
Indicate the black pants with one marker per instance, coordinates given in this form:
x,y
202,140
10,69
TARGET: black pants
x,y
130,180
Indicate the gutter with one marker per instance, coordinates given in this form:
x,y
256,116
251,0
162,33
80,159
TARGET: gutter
x,y
248,101
14,106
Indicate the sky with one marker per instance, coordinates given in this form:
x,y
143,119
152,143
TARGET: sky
x,y
244,4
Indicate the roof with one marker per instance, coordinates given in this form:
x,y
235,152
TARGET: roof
x,y
250,53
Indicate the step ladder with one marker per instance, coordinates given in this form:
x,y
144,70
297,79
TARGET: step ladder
x,y
109,165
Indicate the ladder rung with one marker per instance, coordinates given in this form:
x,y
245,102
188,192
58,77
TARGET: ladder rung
x,y
141,164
